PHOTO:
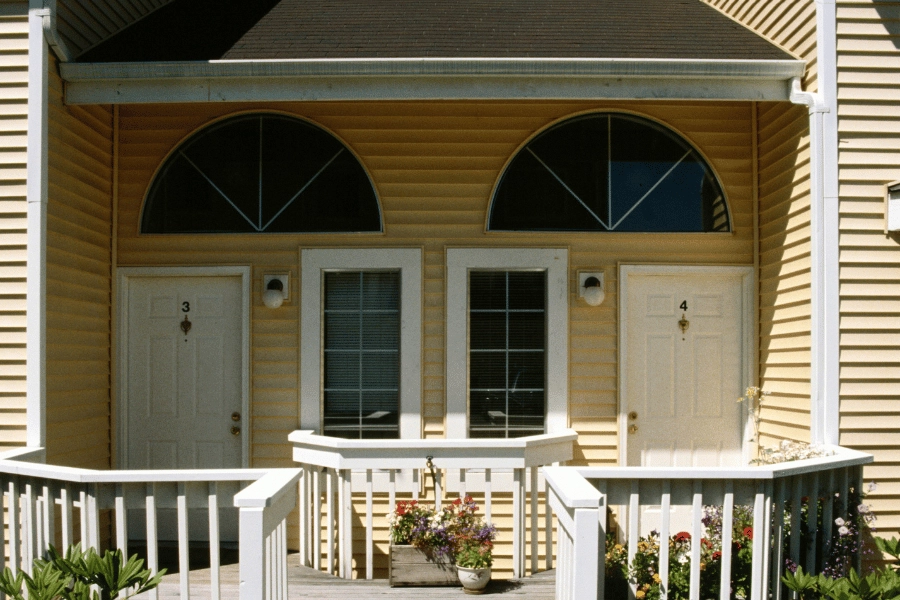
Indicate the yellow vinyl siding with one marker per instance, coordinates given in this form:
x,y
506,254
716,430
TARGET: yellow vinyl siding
x,y
434,166
78,282
869,156
13,225
784,272
82,25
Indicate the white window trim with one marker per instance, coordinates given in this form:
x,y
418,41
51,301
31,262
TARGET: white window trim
x,y
314,262
553,261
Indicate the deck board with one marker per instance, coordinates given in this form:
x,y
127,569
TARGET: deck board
x,y
304,582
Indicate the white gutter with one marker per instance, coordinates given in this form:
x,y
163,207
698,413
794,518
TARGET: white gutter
x,y
428,79
53,39
824,226
36,196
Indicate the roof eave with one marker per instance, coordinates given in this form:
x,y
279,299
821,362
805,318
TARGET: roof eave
x,y
428,79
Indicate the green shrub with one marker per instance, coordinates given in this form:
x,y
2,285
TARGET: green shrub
x,y
70,577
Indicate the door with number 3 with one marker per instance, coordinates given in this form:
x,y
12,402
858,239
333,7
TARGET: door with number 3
x,y
183,389
685,338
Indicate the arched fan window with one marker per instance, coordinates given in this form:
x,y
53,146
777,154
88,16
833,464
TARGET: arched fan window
x,y
609,172
261,173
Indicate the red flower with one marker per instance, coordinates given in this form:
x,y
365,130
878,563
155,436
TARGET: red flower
x,y
716,555
457,502
748,532
706,543
682,536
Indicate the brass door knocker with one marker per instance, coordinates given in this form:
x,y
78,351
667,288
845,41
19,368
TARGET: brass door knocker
x,y
185,325
684,324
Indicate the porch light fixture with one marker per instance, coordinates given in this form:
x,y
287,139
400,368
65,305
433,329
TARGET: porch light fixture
x,y
590,287
276,289
892,207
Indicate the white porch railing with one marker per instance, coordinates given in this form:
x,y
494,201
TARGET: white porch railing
x,y
42,500
334,469
580,497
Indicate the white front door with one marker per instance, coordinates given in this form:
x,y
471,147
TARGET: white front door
x,y
184,373
684,339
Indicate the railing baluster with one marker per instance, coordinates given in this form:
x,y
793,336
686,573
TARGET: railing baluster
x,y
416,479
303,510
28,535
665,526
93,513
184,565
121,521
15,556
757,584
518,532
4,515
270,580
534,520
65,515
49,502
438,490
462,483
766,536
152,548
317,522
696,534
856,477
487,494
346,523
548,530
777,560
601,542
727,533
212,502
370,534
330,540
282,558
633,530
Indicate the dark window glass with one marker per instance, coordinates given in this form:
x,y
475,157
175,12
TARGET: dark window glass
x,y
507,353
261,174
607,172
362,354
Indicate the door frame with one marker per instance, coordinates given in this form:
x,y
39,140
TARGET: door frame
x,y
748,337
124,276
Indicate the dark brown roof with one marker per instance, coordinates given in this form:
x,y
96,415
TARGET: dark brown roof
x,y
298,29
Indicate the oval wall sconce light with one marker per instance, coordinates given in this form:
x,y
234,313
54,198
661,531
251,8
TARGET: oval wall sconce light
x,y
276,289
590,287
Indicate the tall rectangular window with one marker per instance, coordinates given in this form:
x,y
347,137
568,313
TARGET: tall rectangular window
x,y
507,353
361,354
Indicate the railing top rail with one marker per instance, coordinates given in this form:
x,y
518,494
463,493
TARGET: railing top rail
x,y
76,475
338,453
842,457
267,490
572,489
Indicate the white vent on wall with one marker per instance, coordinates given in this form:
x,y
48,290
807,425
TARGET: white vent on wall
x,y
892,207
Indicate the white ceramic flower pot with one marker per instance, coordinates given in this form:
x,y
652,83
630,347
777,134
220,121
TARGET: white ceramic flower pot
x,y
473,580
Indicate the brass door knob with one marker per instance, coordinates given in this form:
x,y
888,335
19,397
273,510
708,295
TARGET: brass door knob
x,y
235,416
632,429
235,430
632,415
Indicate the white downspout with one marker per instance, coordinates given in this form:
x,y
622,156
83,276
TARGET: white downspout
x,y
825,303
36,196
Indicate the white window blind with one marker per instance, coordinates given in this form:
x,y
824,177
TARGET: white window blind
x,y
362,354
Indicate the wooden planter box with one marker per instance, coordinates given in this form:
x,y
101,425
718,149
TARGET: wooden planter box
x,y
411,567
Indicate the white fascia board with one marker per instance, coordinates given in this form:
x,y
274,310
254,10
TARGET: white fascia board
x,y
427,79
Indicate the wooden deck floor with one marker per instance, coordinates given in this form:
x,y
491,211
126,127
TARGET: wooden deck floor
x,y
304,582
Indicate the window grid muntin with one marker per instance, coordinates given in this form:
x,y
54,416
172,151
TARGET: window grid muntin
x,y
507,429
361,390
718,219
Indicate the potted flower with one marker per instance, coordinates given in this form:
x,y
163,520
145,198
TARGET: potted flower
x,y
474,558
428,545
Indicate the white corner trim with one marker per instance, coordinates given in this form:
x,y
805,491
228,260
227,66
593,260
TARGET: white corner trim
x,y
48,15
36,255
316,261
555,262
748,371
124,275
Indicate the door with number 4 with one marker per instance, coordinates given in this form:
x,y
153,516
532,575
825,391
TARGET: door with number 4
x,y
685,338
